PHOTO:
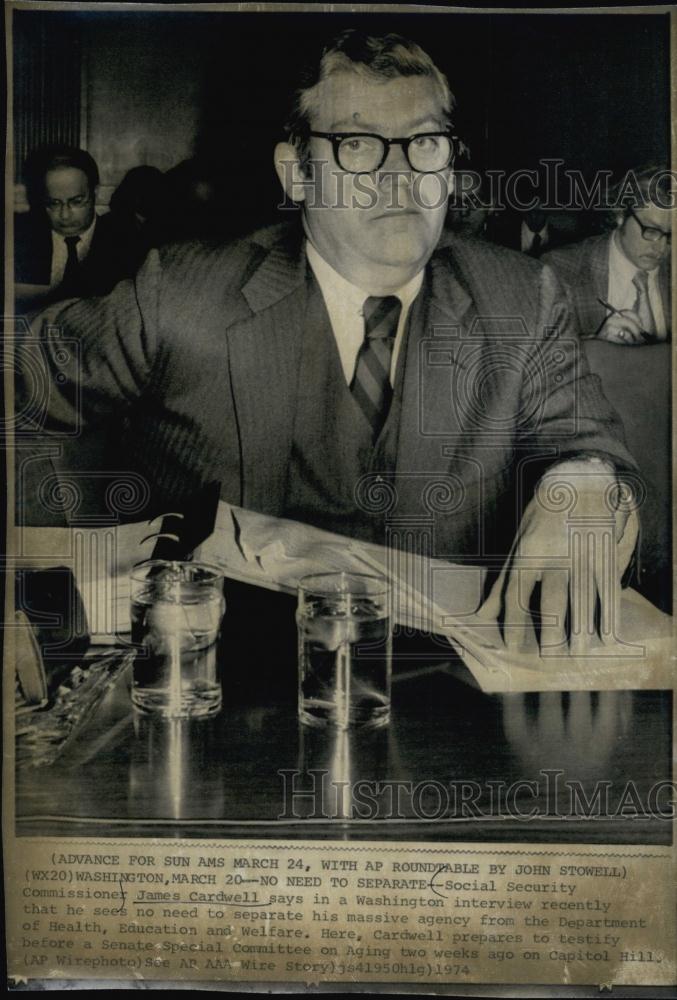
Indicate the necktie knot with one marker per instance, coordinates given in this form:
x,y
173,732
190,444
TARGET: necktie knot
x,y
71,241
536,245
381,316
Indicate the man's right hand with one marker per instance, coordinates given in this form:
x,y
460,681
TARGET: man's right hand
x,y
623,327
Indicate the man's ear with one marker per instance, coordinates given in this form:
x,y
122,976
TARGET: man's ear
x,y
619,219
289,171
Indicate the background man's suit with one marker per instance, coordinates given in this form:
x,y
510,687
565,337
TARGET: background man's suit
x,y
505,228
584,268
202,354
637,380
105,264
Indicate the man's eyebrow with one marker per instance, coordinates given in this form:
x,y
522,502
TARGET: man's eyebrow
x,y
361,126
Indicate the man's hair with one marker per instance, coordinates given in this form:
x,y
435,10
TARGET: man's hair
x,y
47,158
378,58
647,185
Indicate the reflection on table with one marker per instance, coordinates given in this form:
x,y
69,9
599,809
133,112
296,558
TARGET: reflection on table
x,y
454,763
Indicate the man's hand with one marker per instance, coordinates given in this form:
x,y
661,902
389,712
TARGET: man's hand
x,y
623,327
574,542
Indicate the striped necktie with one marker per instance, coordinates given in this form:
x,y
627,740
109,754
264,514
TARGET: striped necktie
x,y
370,386
643,303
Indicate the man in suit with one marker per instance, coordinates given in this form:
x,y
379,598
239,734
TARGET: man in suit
x,y
62,249
534,232
620,282
345,372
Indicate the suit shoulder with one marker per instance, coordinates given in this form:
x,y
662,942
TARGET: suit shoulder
x,y
570,258
477,252
24,222
32,248
483,264
207,276
500,282
29,227
228,261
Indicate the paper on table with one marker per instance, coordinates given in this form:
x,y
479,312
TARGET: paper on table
x,y
641,658
100,559
441,597
275,553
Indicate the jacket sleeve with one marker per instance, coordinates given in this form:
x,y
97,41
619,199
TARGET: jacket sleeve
x,y
90,359
564,411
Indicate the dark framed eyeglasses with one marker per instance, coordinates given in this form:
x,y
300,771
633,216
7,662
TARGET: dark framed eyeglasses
x,y
54,204
365,152
651,233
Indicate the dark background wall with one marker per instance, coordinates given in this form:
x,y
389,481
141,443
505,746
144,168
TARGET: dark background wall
x,y
157,88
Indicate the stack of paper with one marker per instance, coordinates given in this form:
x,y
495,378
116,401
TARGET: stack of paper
x,y
439,597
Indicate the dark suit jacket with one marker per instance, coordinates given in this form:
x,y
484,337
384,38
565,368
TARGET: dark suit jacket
x,y
105,264
584,269
505,228
196,363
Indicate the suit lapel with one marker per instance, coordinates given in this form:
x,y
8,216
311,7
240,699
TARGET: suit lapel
x,y
594,280
264,351
95,264
440,314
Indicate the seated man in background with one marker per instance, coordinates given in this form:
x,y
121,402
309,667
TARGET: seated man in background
x,y
629,271
62,249
344,370
530,231
620,282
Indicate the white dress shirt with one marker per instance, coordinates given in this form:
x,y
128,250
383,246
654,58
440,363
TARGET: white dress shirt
x,y
345,303
527,237
622,294
60,253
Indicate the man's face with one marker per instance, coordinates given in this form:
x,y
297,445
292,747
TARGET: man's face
x,y
378,229
68,201
645,254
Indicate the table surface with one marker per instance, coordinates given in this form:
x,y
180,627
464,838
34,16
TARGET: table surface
x,y
453,764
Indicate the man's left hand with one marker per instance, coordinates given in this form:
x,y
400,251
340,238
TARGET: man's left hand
x,y
573,544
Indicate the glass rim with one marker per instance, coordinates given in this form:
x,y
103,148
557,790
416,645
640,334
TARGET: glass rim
x,y
311,583
139,572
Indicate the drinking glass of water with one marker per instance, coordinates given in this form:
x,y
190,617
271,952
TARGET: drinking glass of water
x,y
345,650
177,609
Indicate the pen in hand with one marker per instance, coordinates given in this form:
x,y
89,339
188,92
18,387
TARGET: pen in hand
x,y
607,305
646,338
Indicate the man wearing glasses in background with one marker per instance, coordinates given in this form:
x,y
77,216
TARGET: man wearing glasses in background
x,y
348,369
620,283
62,248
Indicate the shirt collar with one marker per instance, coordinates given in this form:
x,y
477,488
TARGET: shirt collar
x,y
334,284
527,231
85,239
